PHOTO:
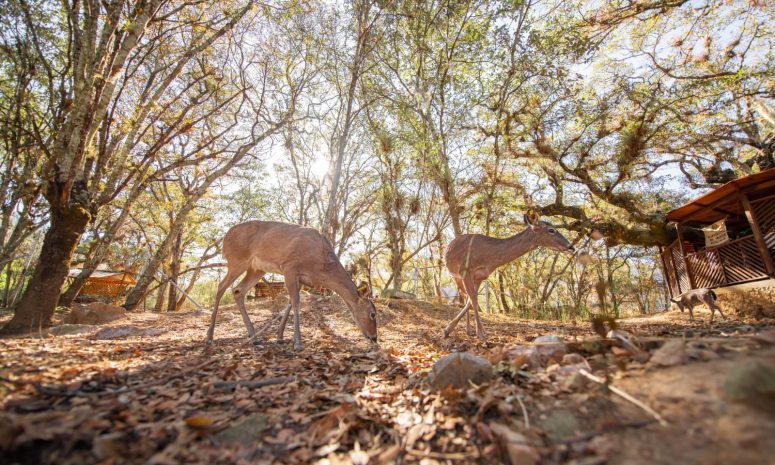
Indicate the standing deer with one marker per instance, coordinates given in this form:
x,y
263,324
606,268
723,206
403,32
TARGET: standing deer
x,y
302,256
471,258
698,297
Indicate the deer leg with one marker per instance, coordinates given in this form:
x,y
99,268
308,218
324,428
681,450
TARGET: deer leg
x,y
691,312
472,288
286,311
713,307
292,284
231,275
248,282
452,324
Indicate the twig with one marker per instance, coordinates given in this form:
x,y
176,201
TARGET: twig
x,y
439,455
263,330
524,412
625,396
252,384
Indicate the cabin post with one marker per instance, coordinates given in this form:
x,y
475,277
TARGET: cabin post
x,y
757,233
664,273
689,273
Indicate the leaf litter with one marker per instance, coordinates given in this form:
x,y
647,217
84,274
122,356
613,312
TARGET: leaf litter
x,y
159,396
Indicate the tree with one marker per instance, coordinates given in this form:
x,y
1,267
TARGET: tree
x,y
85,61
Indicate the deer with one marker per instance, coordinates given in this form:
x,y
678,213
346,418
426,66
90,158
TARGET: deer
x,y
471,258
698,297
304,257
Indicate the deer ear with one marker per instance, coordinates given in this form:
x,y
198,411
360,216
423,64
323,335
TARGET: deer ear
x,y
531,218
364,290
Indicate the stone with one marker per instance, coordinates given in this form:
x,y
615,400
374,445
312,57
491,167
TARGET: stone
x,y
524,355
672,352
119,332
70,329
703,355
246,432
765,337
572,359
560,424
514,445
551,348
570,376
95,313
397,294
750,381
459,369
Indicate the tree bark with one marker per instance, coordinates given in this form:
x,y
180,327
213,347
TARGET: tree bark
x,y
36,307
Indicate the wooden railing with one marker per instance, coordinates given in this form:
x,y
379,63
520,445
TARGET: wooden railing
x,y
730,263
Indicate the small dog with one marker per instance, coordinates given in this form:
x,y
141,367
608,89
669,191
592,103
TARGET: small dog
x,y
696,297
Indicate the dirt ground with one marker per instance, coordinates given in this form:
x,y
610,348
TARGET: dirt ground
x,y
155,394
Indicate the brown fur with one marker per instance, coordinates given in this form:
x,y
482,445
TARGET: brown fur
x,y
698,297
471,258
302,256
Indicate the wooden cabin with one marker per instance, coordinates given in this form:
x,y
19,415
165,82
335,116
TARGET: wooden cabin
x,y
105,283
735,244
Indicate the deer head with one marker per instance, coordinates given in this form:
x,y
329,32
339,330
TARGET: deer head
x,y
546,235
365,313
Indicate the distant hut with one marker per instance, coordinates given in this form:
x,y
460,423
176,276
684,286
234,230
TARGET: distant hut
x,y
735,254
104,283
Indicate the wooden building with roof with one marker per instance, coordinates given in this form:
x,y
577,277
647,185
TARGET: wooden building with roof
x,y
105,283
738,222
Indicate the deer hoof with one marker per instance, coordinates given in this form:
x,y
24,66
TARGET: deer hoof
x,y
297,346
208,342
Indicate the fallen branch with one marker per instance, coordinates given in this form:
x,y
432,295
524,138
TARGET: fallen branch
x,y
625,396
252,384
266,327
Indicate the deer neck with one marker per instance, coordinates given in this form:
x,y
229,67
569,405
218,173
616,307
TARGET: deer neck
x,y
340,282
517,245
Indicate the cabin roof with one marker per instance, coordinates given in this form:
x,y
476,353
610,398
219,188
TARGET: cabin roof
x,y
105,275
725,200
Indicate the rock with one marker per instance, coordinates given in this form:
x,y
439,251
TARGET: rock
x,y
572,359
524,355
397,294
70,329
119,332
95,313
703,355
514,445
247,431
560,424
672,352
751,381
110,446
458,369
550,348
766,336
630,344
569,376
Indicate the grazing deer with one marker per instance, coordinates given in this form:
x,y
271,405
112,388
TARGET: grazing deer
x,y
471,258
300,254
698,297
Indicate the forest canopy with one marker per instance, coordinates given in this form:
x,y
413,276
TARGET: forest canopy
x,y
133,134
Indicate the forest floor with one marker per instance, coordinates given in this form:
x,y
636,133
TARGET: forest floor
x,y
153,393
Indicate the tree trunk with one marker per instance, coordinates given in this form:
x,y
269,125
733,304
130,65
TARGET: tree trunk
x,y
101,249
159,305
174,272
39,300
